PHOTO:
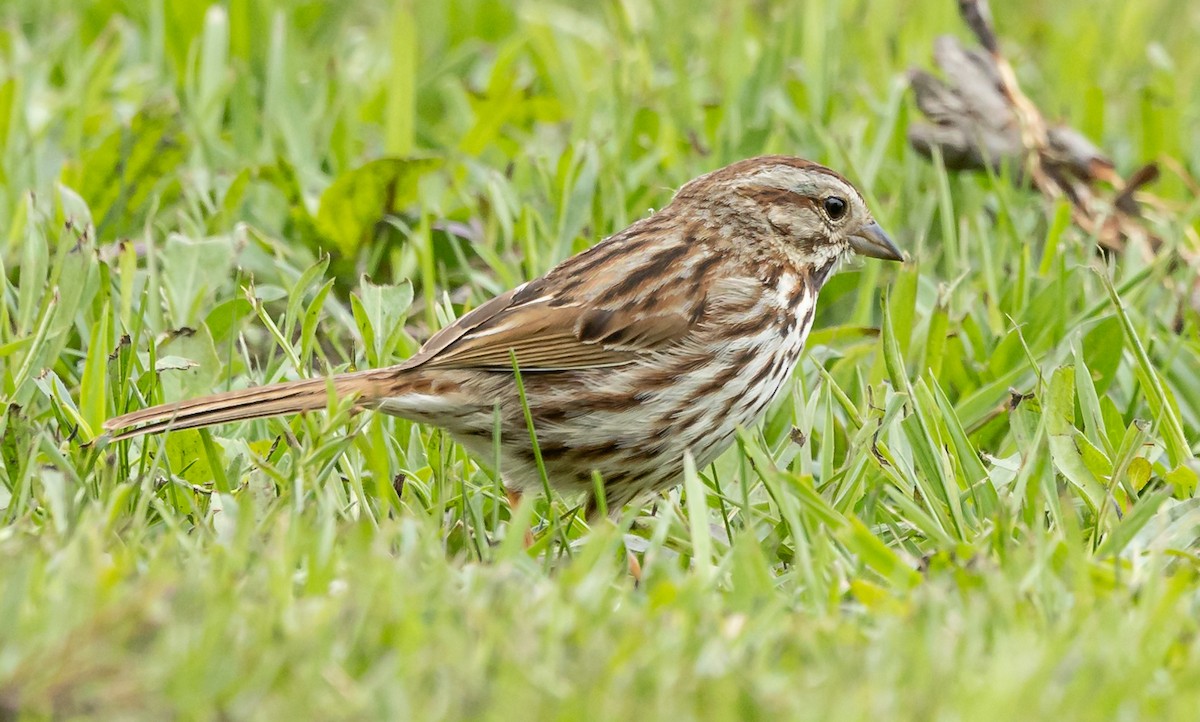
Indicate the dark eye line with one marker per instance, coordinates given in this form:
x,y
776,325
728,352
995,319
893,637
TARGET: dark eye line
x,y
769,195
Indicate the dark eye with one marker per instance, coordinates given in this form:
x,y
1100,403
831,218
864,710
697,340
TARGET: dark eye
x,y
835,207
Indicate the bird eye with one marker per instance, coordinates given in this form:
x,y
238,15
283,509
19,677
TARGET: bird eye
x,y
835,207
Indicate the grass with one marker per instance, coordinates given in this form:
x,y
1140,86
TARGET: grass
x,y
978,503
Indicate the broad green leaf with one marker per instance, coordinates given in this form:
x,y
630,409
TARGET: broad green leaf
x,y
193,272
1063,437
1183,480
227,316
74,275
877,555
8,99
34,263
117,177
189,459
201,369
935,344
1103,346
359,199
93,388
902,303
1139,473
1059,224
72,208
751,580
576,200
974,473
840,336
380,311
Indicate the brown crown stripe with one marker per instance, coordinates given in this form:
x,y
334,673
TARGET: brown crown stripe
x,y
747,166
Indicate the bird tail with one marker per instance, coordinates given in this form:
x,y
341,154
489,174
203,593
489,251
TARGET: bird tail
x,y
254,403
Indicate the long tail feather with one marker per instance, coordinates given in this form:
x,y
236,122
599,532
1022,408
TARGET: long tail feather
x,y
254,403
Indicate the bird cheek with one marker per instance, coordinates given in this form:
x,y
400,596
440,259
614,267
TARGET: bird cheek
x,y
785,222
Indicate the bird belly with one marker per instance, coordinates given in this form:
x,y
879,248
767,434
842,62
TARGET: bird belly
x,y
635,426
632,424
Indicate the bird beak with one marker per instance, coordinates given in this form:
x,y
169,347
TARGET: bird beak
x,y
873,241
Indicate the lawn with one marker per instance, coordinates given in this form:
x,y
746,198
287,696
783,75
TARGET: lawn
x,y
979,502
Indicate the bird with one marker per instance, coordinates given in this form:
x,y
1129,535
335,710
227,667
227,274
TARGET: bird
x,y
656,343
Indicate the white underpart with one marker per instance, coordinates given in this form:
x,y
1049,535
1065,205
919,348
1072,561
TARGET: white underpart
x,y
419,407
753,399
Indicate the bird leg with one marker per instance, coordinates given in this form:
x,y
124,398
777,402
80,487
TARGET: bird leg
x,y
514,500
635,568
592,512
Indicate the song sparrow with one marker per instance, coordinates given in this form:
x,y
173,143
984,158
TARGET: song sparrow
x,y
661,339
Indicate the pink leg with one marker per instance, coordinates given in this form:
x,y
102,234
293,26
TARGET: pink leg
x,y
514,499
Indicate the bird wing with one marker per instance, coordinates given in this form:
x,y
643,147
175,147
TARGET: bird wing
x,y
549,335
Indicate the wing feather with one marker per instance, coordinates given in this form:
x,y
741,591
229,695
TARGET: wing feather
x,y
548,337
578,318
